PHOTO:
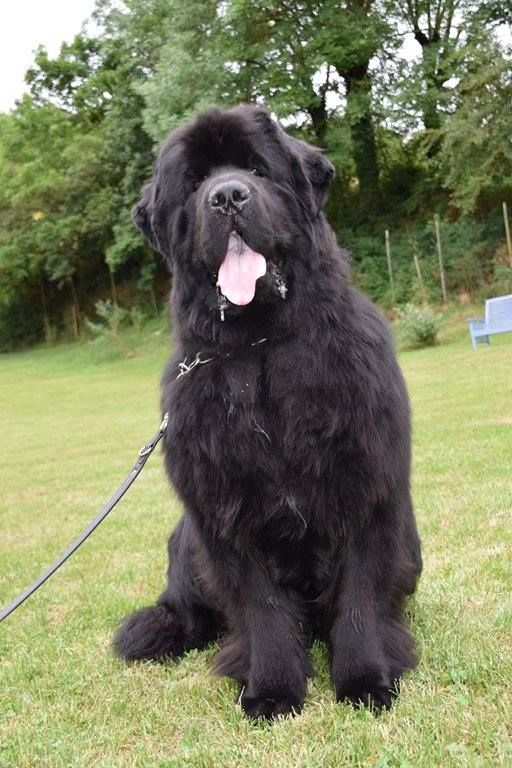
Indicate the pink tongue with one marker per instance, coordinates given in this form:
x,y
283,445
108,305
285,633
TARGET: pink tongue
x,y
239,271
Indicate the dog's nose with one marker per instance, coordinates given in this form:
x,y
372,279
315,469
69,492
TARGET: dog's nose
x,y
229,194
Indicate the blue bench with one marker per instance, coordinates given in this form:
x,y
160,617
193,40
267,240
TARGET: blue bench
x,y
498,319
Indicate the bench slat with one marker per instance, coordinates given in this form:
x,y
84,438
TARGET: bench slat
x,y
497,312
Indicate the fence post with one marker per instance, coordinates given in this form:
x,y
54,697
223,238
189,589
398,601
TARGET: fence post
x,y
507,232
390,266
440,254
420,277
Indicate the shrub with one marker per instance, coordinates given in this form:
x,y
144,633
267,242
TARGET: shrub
x,y
137,318
418,326
108,342
21,323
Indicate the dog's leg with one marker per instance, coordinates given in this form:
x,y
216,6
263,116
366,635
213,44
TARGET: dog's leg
x,y
181,619
412,549
369,643
265,651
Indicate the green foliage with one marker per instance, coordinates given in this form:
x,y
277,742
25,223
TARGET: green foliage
x,y
469,261
108,342
501,282
20,324
112,319
476,146
117,331
408,139
418,326
190,73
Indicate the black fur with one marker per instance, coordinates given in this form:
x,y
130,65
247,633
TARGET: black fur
x,y
291,448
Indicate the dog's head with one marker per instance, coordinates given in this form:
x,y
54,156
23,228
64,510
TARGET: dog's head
x,y
231,199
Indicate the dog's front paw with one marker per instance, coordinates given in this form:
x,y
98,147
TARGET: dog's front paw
x,y
371,687
268,705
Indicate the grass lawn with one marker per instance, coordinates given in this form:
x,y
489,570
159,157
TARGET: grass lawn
x,y
70,431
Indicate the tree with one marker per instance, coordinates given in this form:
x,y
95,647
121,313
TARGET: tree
x,y
354,34
476,145
74,155
302,54
190,72
96,81
434,26
442,28
294,57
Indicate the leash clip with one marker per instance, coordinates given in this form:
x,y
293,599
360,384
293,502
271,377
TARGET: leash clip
x,y
146,449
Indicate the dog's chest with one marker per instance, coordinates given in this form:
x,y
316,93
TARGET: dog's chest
x,y
245,412
250,414
223,415
242,385
244,447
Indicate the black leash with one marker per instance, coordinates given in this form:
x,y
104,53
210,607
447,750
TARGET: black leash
x,y
144,454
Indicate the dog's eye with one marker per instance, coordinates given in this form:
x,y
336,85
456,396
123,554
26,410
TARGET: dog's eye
x,y
256,171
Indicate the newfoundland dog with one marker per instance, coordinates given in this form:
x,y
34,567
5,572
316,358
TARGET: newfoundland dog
x,y
288,438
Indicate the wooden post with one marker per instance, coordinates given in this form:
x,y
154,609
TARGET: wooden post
x,y
507,232
390,266
420,277
440,254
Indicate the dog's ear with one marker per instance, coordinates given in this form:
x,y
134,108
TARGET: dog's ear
x,y
142,213
146,217
318,170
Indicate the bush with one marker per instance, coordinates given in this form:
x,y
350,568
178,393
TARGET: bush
x,y
418,326
108,342
21,323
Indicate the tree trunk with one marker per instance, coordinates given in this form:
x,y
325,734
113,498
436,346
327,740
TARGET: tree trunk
x,y
433,85
359,112
76,306
44,305
318,114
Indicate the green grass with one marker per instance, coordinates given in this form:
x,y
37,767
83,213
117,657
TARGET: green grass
x,y
70,430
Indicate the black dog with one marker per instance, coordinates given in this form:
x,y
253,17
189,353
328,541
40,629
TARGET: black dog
x,y
289,436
